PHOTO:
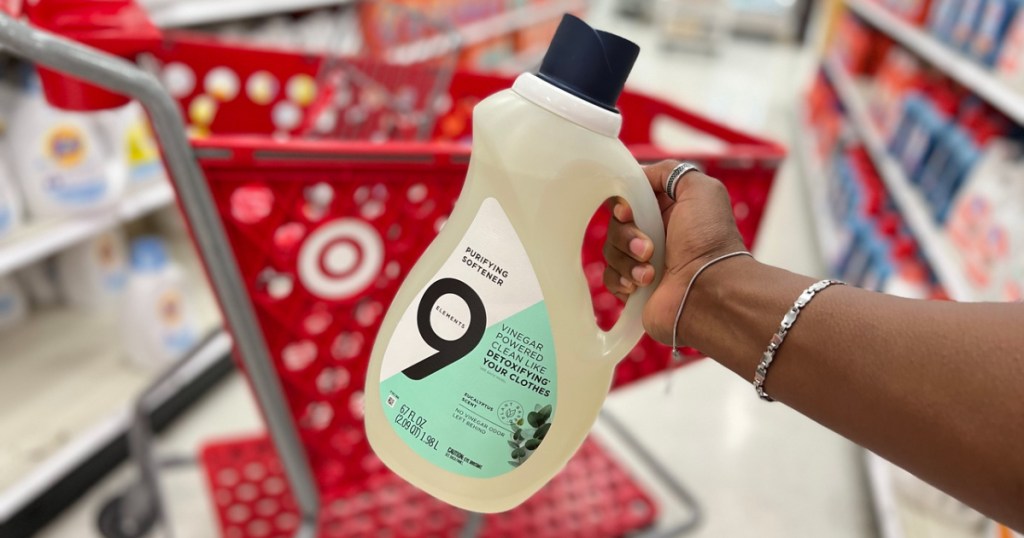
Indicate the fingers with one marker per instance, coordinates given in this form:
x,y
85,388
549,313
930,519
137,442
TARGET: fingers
x,y
626,250
615,283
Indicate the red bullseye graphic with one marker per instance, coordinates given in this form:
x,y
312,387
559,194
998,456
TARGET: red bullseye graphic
x,y
340,259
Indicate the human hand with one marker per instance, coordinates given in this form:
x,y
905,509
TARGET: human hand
x,y
699,226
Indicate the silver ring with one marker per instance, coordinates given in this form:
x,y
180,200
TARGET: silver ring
x,y
677,174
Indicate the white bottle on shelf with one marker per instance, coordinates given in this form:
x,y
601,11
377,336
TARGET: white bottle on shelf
x,y
63,164
10,200
11,207
159,324
92,274
133,143
13,304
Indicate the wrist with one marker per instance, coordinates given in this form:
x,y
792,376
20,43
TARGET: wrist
x,y
708,287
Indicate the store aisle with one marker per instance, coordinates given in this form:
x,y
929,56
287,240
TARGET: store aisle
x,y
756,469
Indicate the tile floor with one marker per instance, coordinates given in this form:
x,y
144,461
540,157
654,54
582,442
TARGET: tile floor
x,y
755,469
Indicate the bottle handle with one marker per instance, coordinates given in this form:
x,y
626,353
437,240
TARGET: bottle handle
x,y
617,342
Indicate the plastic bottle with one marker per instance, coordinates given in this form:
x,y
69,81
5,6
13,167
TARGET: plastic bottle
x,y
13,304
92,274
11,207
10,200
159,324
489,369
63,164
133,143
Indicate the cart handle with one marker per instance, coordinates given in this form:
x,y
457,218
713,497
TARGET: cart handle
x,y
119,75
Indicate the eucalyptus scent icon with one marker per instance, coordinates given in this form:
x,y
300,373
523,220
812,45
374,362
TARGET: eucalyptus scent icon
x,y
489,368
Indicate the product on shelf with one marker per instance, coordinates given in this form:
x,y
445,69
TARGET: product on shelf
x,y
860,46
159,324
986,224
966,24
1010,63
943,18
13,303
996,19
133,142
10,200
62,162
92,274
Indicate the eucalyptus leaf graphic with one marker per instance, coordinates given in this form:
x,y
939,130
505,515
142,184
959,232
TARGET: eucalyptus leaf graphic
x,y
517,435
519,452
534,418
514,463
513,444
542,431
532,444
545,413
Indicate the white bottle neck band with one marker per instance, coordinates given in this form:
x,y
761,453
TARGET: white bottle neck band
x,y
560,102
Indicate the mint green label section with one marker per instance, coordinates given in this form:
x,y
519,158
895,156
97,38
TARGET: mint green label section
x,y
488,412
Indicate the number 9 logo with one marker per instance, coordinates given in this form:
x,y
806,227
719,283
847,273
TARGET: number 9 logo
x,y
448,351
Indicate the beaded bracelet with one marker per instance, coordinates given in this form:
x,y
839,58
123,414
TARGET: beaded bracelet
x,y
780,336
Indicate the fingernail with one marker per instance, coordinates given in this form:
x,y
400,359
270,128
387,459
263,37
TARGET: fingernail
x,y
638,246
626,283
617,211
638,273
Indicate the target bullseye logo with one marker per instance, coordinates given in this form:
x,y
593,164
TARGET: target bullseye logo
x,y
340,259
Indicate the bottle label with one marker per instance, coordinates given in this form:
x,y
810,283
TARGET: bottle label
x,y
468,380
176,335
142,150
71,173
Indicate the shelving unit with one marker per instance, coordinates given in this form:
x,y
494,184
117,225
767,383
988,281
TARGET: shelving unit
x,y
84,374
38,239
484,30
813,172
178,13
941,256
965,70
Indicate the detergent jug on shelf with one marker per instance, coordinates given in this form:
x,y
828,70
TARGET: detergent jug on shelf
x,y
489,369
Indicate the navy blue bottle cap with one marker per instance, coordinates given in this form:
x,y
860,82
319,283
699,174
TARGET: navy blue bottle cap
x,y
588,63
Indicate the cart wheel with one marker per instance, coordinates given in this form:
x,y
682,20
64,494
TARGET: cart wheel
x,y
117,521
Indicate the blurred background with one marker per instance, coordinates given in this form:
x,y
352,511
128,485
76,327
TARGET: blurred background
x,y
877,141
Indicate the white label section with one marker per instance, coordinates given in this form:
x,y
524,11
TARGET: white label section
x,y
491,260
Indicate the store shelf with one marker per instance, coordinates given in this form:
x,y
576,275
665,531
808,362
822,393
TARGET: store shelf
x,y
484,30
965,70
37,240
67,389
177,13
813,173
940,255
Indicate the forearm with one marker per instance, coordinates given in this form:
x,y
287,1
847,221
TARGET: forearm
x,y
932,386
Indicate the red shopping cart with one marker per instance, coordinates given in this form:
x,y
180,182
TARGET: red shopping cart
x,y
259,201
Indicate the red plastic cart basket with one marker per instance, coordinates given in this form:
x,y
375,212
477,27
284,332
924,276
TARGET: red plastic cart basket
x,y
307,241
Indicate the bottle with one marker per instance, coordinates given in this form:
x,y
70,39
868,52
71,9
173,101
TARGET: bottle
x,y
10,201
63,164
13,304
92,274
489,369
159,324
133,142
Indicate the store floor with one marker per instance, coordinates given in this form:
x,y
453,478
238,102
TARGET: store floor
x,y
755,469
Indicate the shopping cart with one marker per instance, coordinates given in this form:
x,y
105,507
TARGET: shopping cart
x,y
305,242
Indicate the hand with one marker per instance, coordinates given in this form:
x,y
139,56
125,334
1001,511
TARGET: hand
x,y
699,226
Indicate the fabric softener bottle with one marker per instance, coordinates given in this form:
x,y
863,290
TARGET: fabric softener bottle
x,y
489,369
